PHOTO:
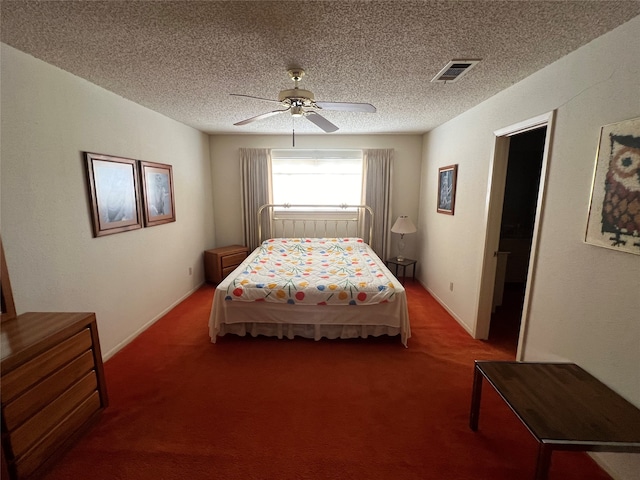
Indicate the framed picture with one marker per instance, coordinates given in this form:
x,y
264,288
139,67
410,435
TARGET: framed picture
x,y
6,294
157,193
113,193
447,177
613,220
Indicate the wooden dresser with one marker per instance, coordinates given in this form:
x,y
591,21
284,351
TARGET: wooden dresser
x,y
220,262
53,387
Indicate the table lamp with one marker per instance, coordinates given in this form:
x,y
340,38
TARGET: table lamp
x,y
403,226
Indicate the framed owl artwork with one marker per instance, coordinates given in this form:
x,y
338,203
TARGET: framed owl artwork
x,y
614,211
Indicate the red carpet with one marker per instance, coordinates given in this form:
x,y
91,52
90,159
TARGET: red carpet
x,y
257,408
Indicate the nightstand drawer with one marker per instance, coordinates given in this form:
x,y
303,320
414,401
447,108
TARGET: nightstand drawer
x,y
228,270
233,260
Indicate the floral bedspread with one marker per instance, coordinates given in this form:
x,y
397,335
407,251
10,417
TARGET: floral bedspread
x,y
313,271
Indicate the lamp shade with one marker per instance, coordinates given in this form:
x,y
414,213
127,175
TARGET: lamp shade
x,y
403,225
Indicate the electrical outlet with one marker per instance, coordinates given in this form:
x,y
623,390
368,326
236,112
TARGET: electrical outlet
x,y
190,271
451,286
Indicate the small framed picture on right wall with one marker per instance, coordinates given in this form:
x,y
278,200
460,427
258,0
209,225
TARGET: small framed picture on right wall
x,y
447,178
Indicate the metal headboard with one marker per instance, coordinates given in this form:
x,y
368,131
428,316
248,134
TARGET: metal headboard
x,y
342,221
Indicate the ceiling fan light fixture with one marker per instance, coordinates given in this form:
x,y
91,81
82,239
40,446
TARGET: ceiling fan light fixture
x,y
301,103
295,93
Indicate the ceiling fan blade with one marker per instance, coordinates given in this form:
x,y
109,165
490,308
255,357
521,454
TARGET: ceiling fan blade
x,y
257,98
321,122
260,117
347,107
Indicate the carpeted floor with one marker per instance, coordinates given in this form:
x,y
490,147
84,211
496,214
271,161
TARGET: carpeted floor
x,y
258,408
505,320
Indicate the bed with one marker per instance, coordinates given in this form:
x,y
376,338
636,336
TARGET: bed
x,y
313,278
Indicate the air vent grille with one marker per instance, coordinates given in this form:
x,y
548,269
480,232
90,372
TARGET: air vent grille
x,y
454,70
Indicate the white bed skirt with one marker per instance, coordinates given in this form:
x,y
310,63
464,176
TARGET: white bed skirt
x,y
316,332
309,321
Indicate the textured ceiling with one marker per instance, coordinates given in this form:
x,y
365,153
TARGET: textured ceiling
x,y
184,58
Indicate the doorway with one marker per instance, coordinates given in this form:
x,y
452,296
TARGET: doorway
x,y
497,198
524,164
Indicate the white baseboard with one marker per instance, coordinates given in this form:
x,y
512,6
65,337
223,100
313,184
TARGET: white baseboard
x,y
446,307
129,339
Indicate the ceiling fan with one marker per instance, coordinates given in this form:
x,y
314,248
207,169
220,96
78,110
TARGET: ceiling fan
x,y
301,103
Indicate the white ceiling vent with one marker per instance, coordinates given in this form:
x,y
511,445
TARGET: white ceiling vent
x,y
454,70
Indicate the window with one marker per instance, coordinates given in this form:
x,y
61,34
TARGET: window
x,y
317,177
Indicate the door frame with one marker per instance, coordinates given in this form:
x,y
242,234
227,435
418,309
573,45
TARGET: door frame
x,y
493,220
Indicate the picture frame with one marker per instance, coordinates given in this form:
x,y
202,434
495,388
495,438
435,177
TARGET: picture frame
x,y
113,193
8,306
447,180
613,219
157,193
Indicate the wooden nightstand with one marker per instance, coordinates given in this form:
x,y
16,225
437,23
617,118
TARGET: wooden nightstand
x,y
220,262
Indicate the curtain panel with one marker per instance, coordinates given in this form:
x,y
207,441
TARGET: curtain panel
x,y
256,191
378,169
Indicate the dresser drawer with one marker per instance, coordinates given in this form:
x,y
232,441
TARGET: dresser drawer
x,y
42,451
23,377
46,419
40,395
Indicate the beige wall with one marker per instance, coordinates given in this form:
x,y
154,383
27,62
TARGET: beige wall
x,y
585,299
225,168
49,117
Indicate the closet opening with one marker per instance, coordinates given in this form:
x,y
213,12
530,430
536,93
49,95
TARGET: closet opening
x,y
524,164
515,204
